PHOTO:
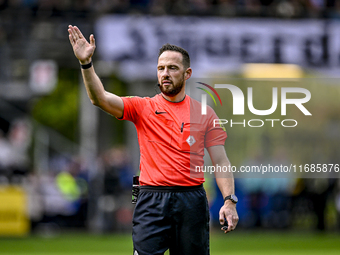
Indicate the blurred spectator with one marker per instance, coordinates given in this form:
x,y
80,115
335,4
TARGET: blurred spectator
x,y
250,7
337,201
14,160
115,200
118,173
5,154
267,201
318,191
64,195
20,138
115,6
226,8
174,7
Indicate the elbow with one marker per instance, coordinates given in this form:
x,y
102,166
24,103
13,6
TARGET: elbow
x,y
95,102
98,99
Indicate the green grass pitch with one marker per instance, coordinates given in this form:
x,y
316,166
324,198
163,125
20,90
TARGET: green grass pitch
x,y
239,243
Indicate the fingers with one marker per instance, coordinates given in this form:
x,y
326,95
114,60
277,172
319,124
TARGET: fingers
x,y
71,39
221,217
231,218
79,35
71,36
75,33
92,40
230,223
231,226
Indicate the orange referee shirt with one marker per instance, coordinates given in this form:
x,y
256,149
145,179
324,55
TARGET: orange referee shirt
x,y
172,137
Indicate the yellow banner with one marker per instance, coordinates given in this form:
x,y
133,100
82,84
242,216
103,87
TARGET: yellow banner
x,y
13,211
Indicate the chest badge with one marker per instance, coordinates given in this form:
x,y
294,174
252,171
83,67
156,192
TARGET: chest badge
x,y
191,140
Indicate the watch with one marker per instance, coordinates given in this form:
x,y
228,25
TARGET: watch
x,y
233,198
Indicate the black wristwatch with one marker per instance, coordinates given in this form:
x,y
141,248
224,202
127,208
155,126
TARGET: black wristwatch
x,y
233,198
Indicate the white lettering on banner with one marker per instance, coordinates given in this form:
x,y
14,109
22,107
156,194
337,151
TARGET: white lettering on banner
x,y
217,44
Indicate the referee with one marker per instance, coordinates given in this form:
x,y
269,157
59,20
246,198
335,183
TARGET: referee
x,y
172,210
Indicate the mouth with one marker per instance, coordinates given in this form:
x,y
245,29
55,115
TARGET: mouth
x,y
166,83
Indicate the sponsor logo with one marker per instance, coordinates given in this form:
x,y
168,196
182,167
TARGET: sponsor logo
x,y
157,112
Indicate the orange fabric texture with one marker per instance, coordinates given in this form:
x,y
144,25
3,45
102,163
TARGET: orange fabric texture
x,y
172,137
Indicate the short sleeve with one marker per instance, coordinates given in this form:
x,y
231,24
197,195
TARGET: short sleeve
x,y
132,108
215,133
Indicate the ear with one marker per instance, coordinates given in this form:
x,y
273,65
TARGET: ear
x,y
188,73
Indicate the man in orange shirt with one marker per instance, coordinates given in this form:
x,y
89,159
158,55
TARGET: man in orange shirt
x,y
172,210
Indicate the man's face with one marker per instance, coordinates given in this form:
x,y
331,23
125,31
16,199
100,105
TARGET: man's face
x,y
170,72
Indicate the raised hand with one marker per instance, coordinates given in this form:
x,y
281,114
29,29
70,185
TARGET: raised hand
x,y
82,49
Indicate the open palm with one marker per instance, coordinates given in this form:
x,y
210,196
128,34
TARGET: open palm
x,y
82,49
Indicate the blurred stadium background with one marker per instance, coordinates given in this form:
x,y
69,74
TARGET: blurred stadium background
x,y
66,167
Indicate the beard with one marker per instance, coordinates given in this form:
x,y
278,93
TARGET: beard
x,y
173,89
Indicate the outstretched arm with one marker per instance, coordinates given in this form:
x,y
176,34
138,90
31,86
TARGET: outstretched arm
x,y
83,50
225,182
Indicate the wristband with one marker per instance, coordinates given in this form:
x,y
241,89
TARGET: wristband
x,y
86,66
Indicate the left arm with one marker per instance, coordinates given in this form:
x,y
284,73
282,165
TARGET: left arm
x,y
225,182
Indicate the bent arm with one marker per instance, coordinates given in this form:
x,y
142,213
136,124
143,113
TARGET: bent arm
x,y
107,101
84,50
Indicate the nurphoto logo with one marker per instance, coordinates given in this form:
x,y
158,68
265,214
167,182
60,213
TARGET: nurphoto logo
x,y
238,105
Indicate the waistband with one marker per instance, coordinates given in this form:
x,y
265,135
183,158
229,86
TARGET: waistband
x,y
171,188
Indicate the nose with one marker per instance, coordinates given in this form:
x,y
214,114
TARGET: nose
x,y
165,72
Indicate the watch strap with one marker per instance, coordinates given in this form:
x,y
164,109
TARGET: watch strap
x,y
230,197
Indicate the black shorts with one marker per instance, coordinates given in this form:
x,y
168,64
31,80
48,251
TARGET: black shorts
x,y
175,218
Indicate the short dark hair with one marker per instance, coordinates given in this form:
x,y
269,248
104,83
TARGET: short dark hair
x,y
171,47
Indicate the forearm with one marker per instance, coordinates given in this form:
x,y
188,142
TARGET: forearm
x,y
107,101
225,180
83,51
93,85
